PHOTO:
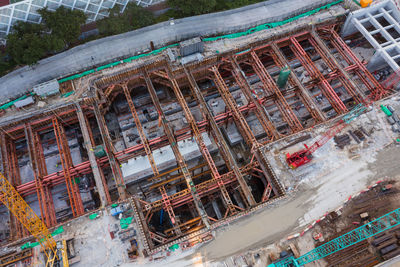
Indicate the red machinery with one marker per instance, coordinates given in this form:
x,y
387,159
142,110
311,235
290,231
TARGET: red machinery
x,y
392,81
304,156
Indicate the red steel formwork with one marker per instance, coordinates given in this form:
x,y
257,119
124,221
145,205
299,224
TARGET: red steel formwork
x,y
221,183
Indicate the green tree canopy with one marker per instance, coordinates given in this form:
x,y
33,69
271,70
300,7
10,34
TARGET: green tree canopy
x,y
138,17
134,17
64,24
193,7
27,43
116,23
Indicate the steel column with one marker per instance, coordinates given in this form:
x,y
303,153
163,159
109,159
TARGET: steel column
x,y
261,113
336,103
66,162
202,146
306,96
270,86
109,148
223,146
145,142
174,145
231,104
330,60
103,192
45,204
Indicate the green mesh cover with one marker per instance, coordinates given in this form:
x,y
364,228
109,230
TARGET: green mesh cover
x,y
283,77
210,39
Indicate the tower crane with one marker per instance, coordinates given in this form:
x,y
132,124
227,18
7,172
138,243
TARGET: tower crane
x,y
386,222
28,218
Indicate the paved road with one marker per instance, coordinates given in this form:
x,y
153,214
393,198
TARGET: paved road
x,y
106,50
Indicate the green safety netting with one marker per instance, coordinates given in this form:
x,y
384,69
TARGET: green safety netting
x,y
174,247
283,77
93,216
271,24
58,231
9,104
210,39
68,94
125,222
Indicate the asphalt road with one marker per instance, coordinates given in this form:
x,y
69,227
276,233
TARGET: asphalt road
x,y
106,50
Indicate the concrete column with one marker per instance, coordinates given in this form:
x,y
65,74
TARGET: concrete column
x,y
216,209
236,196
115,168
92,157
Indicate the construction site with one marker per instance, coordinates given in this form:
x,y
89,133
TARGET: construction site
x,y
273,146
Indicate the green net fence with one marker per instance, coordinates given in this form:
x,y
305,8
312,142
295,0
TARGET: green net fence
x,y
210,39
58,231
157,51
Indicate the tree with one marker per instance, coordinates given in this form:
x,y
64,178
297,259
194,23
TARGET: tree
x,y
193,7
114,24
138,17
134,17
64,24
27,43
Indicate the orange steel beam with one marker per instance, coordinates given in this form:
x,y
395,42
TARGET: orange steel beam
x,y
271,87
336,103
241,121
261,113
111,157
344,79
231,208
66,162
174,145
43,172
42,195
305,95
205,188
149,154
342,47
216,132
139,128
11,168
231,104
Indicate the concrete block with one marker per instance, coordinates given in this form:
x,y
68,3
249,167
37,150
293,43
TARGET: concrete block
x,y
47,89
24,102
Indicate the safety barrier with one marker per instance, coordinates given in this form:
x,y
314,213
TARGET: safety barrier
x,y
209,39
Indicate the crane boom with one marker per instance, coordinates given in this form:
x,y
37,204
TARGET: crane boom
x,y
355,236
304,156
24,213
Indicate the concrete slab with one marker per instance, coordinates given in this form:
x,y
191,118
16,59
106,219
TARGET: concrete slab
x,y
139,168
